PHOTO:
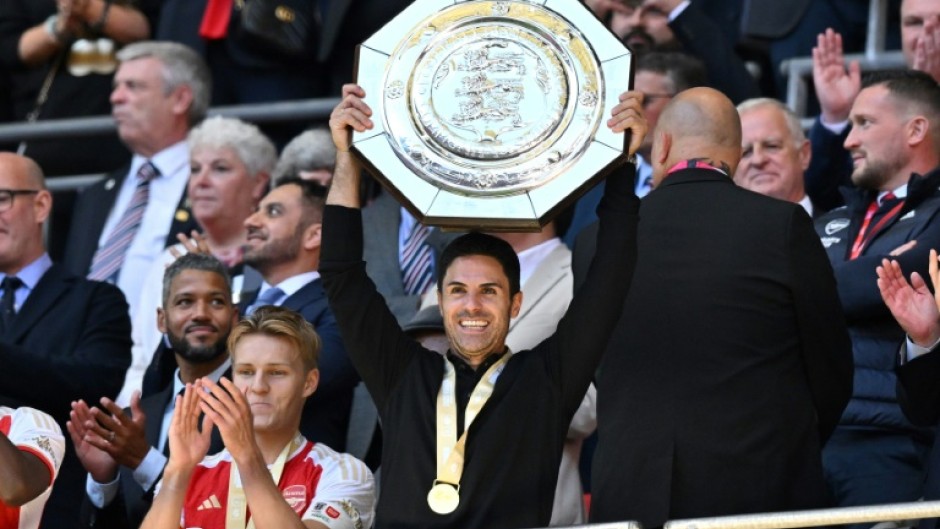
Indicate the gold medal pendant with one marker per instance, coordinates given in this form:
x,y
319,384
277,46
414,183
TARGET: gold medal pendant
x,y
443,497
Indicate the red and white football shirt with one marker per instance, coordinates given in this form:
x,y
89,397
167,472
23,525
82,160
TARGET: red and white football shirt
x,y
37,433
319,483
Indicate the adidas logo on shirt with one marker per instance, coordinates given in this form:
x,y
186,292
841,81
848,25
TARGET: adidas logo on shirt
x,y
211,503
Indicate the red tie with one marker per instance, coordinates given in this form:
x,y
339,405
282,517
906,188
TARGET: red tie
x,y
863,236
215,19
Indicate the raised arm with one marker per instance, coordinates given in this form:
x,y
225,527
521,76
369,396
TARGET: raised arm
x,y
30,460
351,114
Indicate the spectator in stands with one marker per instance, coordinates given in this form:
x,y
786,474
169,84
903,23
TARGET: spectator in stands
x,y
876,455
774,152
516,439
915,308
121,224
62,337
682,25
659,76
31,451
284,246
310,156
274,369
837,85
124,451
691,427
60,59
230,166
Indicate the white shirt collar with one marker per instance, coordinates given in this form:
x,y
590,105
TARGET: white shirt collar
x,y
530,258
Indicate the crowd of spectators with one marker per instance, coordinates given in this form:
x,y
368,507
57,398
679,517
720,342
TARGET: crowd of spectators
x,y
194,266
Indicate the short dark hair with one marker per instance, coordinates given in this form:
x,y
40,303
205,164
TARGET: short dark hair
x,y
313,198
194,261
682,69
475,243
909,86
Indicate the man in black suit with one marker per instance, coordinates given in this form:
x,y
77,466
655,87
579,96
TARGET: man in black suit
x,y
284,246
124,453
122,223
62,337
774,152
731,363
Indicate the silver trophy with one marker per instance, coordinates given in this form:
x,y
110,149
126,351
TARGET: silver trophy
x,y
491,114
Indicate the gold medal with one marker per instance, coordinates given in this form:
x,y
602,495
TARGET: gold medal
x,y
443,497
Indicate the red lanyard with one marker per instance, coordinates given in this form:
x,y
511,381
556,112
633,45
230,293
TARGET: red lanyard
x,y
861,240
694,164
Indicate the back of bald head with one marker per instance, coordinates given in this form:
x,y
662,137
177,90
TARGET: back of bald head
x,y
27,172
702,123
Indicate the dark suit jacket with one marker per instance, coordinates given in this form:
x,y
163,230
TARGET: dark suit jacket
x,y
731,363
71,340
325,417
919,395
380,222
91,212
129,507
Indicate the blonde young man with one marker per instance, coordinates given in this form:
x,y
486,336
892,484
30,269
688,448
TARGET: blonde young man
x,y
268,475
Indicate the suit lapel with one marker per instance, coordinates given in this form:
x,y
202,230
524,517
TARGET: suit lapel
x,y
311,293
154,407
54,284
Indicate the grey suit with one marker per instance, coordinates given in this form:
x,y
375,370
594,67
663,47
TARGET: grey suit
x,y
380,223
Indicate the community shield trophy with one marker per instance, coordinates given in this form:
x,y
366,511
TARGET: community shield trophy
x,y
491,113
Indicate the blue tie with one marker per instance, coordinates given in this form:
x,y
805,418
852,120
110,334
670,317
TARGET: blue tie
x,y
267,298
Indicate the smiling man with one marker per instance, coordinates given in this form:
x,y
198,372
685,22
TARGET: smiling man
x,y
473,438
283,244
125,452
268,472
774,152
876,455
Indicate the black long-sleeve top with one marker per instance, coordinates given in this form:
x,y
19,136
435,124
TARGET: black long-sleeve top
x,y
514,445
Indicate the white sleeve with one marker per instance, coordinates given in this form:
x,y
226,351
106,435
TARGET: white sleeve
x,y
37,433
345,497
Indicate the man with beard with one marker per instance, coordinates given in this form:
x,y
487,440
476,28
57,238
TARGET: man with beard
x,y
675,25
123,453
876,455
284,246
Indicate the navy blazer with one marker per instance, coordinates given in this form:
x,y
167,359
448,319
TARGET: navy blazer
x,y
326,414
71,340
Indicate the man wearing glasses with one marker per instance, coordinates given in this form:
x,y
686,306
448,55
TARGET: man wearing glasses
x,y
62,337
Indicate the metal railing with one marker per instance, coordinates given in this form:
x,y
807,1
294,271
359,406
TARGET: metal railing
x,y
873,58
815,518
277,112
894,512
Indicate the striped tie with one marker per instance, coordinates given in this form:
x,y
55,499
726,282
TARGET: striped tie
x,y
417,263
110,257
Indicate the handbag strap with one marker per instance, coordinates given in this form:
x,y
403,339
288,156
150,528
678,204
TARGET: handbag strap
x,y
33,115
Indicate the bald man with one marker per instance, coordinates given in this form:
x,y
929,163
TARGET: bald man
x,y
731,363
62,337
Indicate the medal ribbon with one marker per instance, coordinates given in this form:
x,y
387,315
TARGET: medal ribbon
x,y
861,240
449,448
237,505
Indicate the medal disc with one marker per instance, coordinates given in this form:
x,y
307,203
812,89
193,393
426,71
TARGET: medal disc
x,y
443,498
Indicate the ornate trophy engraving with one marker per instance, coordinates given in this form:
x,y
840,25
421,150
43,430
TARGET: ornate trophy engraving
x,y
491,114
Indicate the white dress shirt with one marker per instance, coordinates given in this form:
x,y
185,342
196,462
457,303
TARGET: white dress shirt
x,y
150,240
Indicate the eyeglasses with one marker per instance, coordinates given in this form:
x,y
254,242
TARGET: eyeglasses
x,y
7,196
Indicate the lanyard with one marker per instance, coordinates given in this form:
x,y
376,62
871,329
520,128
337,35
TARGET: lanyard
x,y
861,240
450,450
237,508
